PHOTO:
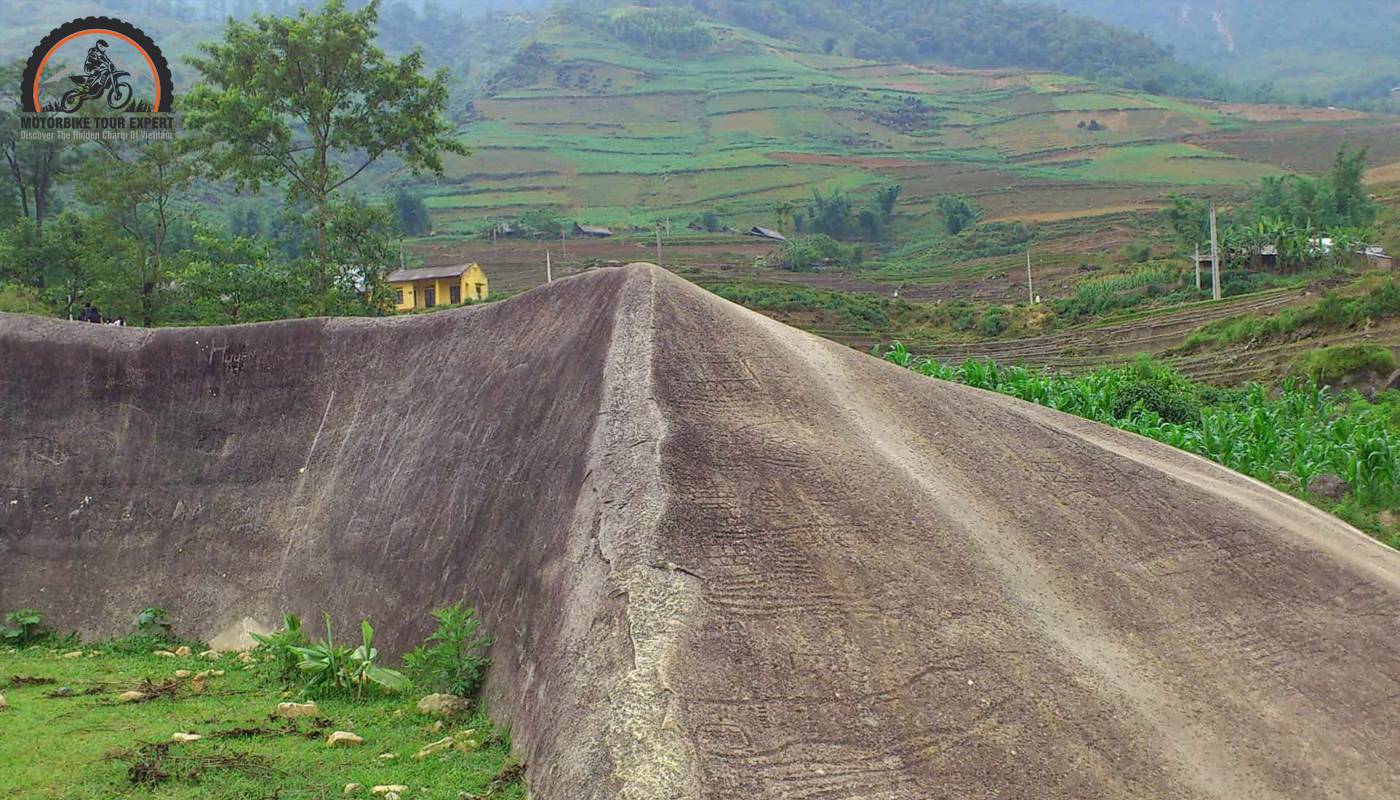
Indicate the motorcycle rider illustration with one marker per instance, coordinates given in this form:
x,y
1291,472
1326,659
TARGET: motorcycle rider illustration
x,y
100,76
98,66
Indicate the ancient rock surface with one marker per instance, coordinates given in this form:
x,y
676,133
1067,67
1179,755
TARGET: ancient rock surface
x,y
721,558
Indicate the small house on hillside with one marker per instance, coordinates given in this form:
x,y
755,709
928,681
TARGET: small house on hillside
x,y
427,287
592,230
767,233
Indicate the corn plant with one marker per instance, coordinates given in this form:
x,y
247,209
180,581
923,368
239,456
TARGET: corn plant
x,y
1286,438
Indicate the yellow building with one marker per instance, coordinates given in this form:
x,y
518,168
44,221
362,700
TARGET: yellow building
x,y
437,286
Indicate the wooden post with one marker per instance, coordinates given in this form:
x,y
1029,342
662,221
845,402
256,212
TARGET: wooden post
x,y
548,269
658,245
1214,256
1198,266
1030,287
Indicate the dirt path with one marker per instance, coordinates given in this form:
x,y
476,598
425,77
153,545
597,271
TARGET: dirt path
x,y
721,558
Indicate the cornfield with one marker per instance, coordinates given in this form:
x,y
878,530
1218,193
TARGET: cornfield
x,y
1285,437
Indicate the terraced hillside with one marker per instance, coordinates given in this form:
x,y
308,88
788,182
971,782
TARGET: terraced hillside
x,y
612,133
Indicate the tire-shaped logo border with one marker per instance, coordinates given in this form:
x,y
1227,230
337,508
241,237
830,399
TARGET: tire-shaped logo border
x,y
137,37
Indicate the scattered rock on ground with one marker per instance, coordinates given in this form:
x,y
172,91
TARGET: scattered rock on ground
x,y
164,654
131,697
212,655
182,673
290,710
387,756
184,651
391,796
444,705
436,747
386,789
1393,382
343,739
74,654
353,788
3,704
1329,486
184,738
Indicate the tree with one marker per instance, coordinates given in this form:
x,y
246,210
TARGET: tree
x,y
139,192
783,210
958,212
231,280
35,165
412,212
886,198
310,102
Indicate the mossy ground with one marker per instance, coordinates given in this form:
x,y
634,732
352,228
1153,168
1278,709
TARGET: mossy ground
x,y
90,746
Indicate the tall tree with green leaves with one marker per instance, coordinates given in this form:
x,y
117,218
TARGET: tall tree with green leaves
x,y
34,166
139,191
310,102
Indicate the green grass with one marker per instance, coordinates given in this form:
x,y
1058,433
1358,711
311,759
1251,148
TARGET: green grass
x,y
1380,302
89,746
1327,364
1284,437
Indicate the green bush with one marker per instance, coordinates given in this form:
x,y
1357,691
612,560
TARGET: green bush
x,y
994,322
153,622
326,667
24,627
453,658
1327,364
282,645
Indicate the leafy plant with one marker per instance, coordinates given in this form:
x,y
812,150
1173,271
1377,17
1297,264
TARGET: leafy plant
x,y
452,659
153,622
28,628
331,667
282,644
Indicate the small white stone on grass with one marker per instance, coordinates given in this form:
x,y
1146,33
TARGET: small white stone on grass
x,y
444,705
74,654
131,697
394,788
343,739
296,710
184,738
3,704
212,655
353,788
387,756
184,651
436,747
182,673
163,654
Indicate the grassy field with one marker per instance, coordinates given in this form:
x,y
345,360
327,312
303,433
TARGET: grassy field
x,y
67,735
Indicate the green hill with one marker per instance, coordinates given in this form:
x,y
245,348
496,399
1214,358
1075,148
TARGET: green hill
x,y
1339,51
619,133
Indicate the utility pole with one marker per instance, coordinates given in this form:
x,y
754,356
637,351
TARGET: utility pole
x,y
564,241
548,269
1214,256
1030,287
1198,266
658,245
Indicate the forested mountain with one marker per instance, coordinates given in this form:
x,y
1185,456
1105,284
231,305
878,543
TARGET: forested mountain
x,y
973,33
1339,51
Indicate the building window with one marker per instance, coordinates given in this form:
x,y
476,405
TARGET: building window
x,y
429,296
455,293
398,297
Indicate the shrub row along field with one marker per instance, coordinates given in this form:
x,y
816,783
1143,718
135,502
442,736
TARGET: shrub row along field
x,y
1298,439
1381,302
150,715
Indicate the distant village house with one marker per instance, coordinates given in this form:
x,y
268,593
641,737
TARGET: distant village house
x,y
767,233
592,230
427,287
